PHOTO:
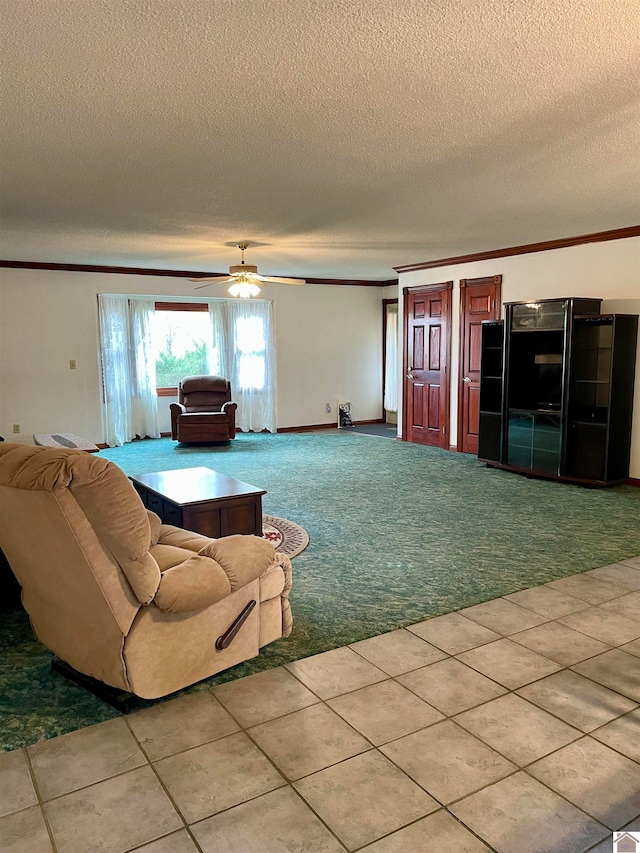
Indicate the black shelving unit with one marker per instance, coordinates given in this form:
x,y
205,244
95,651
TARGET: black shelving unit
x,y
561,405
491,389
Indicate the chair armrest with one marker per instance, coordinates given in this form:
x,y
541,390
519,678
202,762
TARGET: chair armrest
x,y
193,585
229,409
243,558
176,410
221,567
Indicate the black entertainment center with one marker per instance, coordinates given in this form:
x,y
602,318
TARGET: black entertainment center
x,y
556,390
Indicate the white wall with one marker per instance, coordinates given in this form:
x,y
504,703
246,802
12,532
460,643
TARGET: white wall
x,y
328,342
609,270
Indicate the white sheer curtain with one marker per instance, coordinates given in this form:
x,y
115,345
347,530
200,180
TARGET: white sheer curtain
x,y
252,363
128,368
114,353
144,413
217,349
391,363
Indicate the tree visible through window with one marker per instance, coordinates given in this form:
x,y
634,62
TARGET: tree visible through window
x,y
180,339
228,337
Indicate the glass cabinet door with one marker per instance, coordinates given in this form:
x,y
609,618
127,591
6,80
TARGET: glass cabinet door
x,y
520,439
539,315
534,441
590,389
547,443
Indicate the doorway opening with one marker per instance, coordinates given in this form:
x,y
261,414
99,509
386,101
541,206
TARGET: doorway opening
x,y
390,361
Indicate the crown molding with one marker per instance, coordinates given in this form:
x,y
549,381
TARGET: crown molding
x,y
527,248
98,268
428,288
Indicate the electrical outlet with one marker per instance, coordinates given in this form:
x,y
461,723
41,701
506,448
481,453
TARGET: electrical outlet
x,y
328,408
16,428
72,364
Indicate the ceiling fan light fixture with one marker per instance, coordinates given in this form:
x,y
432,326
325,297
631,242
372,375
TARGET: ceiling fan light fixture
x,y
244,289
245,279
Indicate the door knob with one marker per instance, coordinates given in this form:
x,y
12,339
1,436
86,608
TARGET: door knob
x,y
466,379
409,375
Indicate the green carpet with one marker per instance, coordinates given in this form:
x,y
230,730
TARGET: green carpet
x,y
398,532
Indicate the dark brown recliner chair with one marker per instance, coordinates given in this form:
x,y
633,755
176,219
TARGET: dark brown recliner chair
x,y
204,411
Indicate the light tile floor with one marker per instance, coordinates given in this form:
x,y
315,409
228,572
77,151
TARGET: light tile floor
x,y
512,726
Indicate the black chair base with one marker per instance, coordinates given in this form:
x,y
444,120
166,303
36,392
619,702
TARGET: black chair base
x,y
121,700
10,589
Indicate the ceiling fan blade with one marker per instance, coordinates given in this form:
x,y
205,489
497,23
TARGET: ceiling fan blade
x,y
220,277
281,280
212,280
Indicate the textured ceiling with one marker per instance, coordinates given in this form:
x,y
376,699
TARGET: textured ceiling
x,y
345,136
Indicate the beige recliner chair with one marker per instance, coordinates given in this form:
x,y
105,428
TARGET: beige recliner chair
x,y
139,605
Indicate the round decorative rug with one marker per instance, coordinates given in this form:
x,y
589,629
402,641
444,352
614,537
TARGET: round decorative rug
x,y
286,537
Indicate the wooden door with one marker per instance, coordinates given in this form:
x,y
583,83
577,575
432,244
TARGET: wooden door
x,y
479,300
427,316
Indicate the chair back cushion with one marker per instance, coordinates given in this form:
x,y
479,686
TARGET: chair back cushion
x,y
104,494
204,393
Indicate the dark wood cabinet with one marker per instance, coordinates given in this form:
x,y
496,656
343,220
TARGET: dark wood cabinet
x,y
202,500
556,390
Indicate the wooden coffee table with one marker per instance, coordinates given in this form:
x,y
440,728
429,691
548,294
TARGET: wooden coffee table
x,y
202,500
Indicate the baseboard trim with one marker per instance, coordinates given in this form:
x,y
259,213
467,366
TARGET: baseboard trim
x,y
332,425
454,448
307,427
633,481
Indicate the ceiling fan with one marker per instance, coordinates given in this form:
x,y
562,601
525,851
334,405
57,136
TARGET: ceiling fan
x,y
244,277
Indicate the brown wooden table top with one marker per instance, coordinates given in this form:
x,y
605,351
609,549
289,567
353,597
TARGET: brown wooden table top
x,y
194,485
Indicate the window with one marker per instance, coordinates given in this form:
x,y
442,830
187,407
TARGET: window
x,y
226,337
181,331
251,343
